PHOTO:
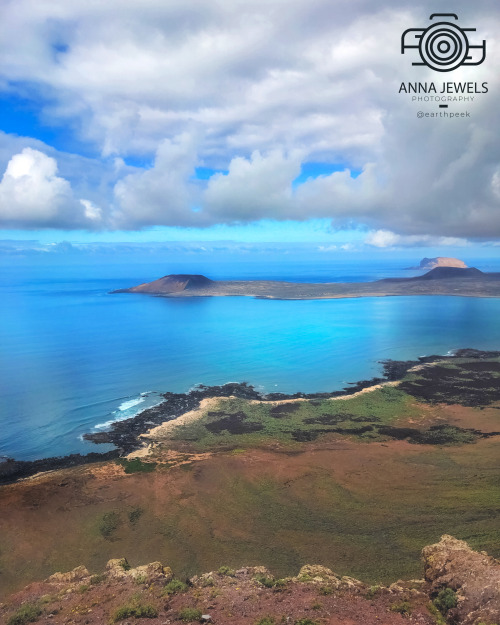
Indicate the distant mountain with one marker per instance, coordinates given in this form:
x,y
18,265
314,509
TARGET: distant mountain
x,y
445,273
440,261
173,283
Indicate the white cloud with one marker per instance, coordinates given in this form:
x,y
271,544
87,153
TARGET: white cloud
x,y
31,191
92,212
33,195
387,239
250,88
163,194
256,188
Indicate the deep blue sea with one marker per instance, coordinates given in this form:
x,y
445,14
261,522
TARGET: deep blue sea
x,y
73,358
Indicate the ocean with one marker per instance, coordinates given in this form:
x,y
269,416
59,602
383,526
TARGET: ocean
x,y
74,358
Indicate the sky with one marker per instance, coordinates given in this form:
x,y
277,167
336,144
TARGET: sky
x,y
244,120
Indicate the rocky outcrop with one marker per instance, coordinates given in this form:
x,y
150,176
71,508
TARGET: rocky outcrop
x,y
475,577
252,595
119,568
76,575
440,261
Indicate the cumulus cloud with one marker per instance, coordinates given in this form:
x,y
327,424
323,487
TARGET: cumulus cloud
x,y
255,188
162,194
32,194
254,90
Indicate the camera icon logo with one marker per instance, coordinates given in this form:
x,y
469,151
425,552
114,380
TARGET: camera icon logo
x,y
443,46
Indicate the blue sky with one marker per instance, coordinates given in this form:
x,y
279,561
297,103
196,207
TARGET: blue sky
x,y
193,121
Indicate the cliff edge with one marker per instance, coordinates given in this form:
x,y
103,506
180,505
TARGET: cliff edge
x,y
461,587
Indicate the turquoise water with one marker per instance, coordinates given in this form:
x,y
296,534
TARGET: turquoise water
x,y
74,358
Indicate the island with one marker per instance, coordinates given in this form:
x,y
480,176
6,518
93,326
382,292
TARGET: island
x,y
442,280
440,261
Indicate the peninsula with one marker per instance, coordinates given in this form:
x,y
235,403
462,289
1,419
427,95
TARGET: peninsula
x,y
464,281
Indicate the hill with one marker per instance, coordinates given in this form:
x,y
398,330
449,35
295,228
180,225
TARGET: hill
x,y
446,273
173,283
440,261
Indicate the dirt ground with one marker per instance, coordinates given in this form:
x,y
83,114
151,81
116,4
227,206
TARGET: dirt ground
x,y
360,508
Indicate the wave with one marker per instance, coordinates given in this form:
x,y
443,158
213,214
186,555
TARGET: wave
x,y
127,409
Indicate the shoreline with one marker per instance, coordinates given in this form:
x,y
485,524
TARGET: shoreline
x,y
129,435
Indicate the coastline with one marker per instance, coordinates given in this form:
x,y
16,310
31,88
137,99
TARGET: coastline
x,y
129,435
469,282
166,428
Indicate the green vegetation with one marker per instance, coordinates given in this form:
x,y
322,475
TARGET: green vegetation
x,y
306,621
189,614
135,514
268,582
372,592
241,424
174,587
136,465
226,570
134,609
27,613
402,607
108,524
446,600
438,617
266,620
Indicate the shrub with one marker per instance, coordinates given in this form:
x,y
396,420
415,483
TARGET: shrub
x,y
372,591
175,586
268,582
436,614
402,607
226,570
136,465
279,584
134,515
306,621
190,614
27,613
446,599
109,523
134,609
304,578
266,620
